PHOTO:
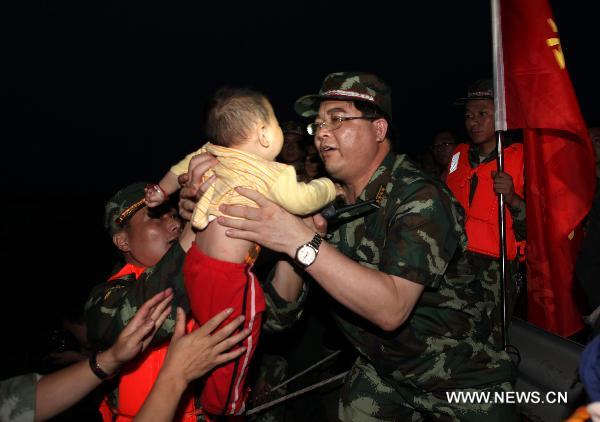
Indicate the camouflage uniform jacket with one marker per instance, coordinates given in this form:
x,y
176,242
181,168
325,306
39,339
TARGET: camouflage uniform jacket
x,y
113,303
17,398
418,234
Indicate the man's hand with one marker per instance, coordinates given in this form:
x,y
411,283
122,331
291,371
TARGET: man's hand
x,y
191,356
503,184
268,225
192,187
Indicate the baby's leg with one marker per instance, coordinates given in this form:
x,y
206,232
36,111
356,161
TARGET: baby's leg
x,y
212,286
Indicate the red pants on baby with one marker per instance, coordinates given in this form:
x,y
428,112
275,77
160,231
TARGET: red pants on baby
x,y
213,285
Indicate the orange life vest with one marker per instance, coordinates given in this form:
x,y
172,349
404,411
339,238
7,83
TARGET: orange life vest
x,y
138,377
481,219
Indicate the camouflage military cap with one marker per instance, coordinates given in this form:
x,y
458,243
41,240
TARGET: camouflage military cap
x,y
124,204
483,89
293,127
349,86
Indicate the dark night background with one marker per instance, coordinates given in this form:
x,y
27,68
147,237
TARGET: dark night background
x,y
101,94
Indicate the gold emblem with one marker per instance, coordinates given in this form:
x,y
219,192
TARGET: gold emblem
x,y
555,42
380,194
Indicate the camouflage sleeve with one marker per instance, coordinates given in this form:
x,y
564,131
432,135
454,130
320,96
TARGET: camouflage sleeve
x,y
17,398
519,223
112,304
421,235
281,314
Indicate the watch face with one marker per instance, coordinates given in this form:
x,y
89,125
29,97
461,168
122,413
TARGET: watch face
x,y
306,255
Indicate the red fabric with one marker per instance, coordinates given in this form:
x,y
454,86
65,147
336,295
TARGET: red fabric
x,y
559,159
481,222
213,286
126,270
138,376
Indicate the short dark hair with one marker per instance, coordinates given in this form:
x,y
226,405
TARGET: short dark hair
x,y
232,113
368,109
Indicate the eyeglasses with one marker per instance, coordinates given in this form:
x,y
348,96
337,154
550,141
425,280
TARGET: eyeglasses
x,y
336,123
443,145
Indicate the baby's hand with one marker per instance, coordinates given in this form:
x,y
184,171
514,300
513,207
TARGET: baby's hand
x,y
155,195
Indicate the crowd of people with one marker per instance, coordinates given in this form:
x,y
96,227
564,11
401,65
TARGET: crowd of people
x,y
406,264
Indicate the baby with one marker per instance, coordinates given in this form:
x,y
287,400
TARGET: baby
x,y
218,269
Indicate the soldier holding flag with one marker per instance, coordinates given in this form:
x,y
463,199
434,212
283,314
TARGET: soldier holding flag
x,y
474,181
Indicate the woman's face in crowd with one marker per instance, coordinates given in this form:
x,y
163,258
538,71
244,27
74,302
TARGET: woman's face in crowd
x,y
443,147
312,162
291,151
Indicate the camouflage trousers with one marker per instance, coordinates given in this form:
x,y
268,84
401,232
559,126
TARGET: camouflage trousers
x,y
487,269
365,397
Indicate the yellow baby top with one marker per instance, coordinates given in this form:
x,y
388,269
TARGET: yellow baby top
x,y
275,180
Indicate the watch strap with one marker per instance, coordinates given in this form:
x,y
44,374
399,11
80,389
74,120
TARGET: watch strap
x,y
316,241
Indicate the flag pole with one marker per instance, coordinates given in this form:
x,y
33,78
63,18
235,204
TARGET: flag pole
x,y
500,125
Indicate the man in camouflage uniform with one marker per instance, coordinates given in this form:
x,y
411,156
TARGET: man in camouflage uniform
x,y
153,242
153,247
481,156
396,265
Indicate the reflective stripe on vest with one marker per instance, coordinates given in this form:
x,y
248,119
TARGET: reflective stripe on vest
x,y
481,216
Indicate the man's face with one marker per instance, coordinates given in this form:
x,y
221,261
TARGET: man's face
x,y
291,151
443,147
479,121
350,149
150,236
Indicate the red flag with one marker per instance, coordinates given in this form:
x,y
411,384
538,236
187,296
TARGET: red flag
x,y
559,158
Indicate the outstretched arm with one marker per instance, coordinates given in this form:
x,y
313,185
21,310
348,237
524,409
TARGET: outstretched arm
x,y
301,198
189,357
384,299
60,390
159,193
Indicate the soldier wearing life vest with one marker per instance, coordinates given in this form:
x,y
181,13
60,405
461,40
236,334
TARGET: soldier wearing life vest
x,y
153,247
473,178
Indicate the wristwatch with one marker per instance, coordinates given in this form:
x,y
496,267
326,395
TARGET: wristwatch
x,y
99,372
307,253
